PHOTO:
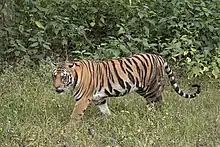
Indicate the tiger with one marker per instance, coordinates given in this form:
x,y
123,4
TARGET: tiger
x,y
95,81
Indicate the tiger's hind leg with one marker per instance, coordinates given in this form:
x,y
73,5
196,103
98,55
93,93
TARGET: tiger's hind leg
x,y
153,95
157,102
103,106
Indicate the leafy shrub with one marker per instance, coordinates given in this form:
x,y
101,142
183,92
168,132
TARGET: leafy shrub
x,y
185,32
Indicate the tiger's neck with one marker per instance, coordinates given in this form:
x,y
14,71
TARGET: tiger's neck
x,y
84,86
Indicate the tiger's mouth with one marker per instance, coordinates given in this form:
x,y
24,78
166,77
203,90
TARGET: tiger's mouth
x,y
59,90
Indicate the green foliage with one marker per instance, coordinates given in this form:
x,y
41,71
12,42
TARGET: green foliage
x,y
185,32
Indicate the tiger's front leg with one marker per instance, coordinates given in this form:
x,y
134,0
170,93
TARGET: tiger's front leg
x,y
80,108
103,106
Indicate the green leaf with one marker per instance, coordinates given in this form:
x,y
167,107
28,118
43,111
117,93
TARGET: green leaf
x,y
177,45
39,25
205,69
22,48
32,39
185,52
196,70
123,48
74,7
121,31
10,50
215,72
102,20
218,60
56,31
46,46
64,42
218,5
92,24
137,39
34,44
146,29
145,42
188,60
116,53
17,53
211,28
21,28
141,15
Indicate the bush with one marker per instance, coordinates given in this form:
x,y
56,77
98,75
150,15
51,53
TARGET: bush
x,y
185,32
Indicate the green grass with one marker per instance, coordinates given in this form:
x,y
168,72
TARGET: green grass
x,y
32,114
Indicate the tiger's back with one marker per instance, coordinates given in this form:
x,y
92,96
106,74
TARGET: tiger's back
x,y
95,81
140,73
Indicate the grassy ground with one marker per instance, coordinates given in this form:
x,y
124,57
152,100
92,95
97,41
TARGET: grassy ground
x,y
32,114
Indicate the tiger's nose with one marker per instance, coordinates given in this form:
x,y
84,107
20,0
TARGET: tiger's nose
x,y
59,90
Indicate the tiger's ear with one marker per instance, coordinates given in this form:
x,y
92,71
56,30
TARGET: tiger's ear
x,y
71,65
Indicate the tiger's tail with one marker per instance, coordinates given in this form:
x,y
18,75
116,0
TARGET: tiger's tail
x,y
176,87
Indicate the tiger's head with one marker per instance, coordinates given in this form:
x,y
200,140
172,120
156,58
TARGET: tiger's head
x,y
63,76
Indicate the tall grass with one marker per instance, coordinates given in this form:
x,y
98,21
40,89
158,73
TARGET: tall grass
x,y
32,114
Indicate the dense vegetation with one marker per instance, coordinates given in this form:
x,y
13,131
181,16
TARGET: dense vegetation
x,y
186,32
35,32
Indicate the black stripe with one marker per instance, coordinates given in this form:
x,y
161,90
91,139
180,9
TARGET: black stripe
x,y
156,90
98,74
128,86
150,95
146,88
76,93
166,67
106,92
173,82
128,59
170,73
130,76
140,90
128,66
121,82
181,93
103,102
117,93
109,85
83,91
78,99
108,77
137,83
151,67
138,69
108,72
138,58
89,66
177,89
121,65
91,73
101,83
144,76
69,80
161,61
75,80
153,96
145,59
